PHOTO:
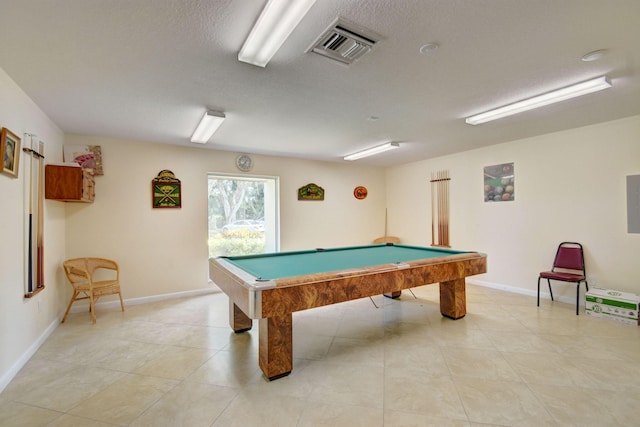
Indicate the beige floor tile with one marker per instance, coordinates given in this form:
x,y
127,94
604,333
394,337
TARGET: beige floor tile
x,y
309,323
408,390
500,402
300,383
582,346
548,368
123,401
422,357
365,352
618,376
337,415
347,383
122,355
229,369
70,389
36,373
492,320
478,363
188,404
311,346
73,421
470,338
622,405
406,419
176,362
519,342
257,409
19,415
507,363
361,328
571,406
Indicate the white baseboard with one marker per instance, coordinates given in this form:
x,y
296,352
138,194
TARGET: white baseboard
x,y
529,292
6,377
77,308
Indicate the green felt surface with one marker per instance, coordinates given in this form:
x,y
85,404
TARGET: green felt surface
x,y
289,264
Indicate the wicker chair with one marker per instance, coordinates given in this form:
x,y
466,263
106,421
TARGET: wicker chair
x,y
80,272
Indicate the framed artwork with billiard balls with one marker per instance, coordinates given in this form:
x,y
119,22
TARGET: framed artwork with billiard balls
x,y
499,183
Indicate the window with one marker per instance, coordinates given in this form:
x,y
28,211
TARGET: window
x,y
243,215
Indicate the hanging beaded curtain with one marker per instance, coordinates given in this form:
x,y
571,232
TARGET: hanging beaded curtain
x,y
440,208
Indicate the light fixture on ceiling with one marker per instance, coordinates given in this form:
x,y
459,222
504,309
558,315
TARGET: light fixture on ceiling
x,y
568,92
373,150
275,24
209,123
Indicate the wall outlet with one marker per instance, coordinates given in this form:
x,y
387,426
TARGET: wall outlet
x,y
592,281
39,307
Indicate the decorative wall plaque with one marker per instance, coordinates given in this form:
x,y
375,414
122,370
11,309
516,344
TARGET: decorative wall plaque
x,y
166,192
311,192
360,192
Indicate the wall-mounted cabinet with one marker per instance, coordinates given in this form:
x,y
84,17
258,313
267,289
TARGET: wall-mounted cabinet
x,y
69,184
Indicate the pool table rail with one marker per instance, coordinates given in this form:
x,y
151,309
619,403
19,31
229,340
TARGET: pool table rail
x,y
259,299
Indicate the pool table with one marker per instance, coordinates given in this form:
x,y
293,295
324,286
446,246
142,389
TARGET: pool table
x,y
270,287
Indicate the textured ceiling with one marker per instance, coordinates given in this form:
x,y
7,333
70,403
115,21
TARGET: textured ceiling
x,y
146,70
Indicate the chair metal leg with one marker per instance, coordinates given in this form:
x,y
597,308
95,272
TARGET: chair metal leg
x,y
539,291
578,299
414,295
550,291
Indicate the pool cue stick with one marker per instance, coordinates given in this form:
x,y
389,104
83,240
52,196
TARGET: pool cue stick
x,y
433,228
40,234
440,202
385,225
437,208
30,255
446,208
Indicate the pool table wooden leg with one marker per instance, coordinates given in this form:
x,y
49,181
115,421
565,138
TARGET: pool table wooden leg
x,y
453,300
394,294
238,321
276,346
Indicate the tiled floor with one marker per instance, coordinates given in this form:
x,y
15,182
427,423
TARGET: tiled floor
x,y
177,363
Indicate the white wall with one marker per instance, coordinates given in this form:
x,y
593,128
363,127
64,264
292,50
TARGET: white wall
x,y
165,250
569,185
22,325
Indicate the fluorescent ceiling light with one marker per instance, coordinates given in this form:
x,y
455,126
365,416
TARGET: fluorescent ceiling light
x,y
275,24
209,123
568,92
371,151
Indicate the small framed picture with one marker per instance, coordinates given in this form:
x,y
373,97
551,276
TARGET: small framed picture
x,y
9,153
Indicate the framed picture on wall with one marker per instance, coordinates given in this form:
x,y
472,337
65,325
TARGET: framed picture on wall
x,y
499,183
9,153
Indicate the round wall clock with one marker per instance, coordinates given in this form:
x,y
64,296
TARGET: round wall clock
x,y
244,163
360,192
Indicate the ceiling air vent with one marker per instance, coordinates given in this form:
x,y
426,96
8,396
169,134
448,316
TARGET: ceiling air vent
x,y
344,42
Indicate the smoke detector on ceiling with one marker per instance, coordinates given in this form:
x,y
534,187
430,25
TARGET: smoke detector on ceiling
x,y
344,42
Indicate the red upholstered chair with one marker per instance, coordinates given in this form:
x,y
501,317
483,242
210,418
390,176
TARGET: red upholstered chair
x,y
568,266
